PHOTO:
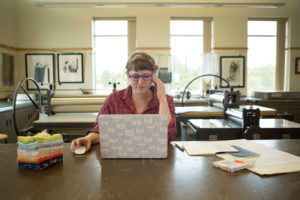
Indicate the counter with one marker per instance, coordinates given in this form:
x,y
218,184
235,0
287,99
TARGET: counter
x,y
4,106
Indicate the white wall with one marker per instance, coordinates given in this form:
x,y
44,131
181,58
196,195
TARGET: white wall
x,y
72,28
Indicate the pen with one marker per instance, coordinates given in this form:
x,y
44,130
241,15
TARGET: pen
x,y
179,147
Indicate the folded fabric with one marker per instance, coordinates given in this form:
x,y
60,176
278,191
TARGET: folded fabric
x,y
39,151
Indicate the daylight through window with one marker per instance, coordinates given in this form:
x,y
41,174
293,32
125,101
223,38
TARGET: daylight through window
x,y
111,52
261,65
186,38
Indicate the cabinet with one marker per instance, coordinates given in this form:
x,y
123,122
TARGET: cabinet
x,y
23,114
6,126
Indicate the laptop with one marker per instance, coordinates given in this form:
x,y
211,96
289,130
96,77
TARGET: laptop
x,y
133,136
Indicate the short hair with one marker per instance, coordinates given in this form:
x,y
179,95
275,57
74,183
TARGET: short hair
x,y
141,61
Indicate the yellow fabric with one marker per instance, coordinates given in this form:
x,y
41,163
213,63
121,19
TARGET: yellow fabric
x,y
39,136
3,136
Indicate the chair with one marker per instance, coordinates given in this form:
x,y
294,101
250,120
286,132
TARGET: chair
x,y
3,137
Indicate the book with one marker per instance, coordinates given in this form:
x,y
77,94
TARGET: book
x,y
208,148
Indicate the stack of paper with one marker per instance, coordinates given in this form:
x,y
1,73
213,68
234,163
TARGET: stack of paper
x,y
267,160
270,161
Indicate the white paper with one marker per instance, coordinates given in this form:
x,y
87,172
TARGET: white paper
x,y
270,161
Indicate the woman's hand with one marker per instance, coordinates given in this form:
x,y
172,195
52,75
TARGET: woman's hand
x,y
161,92
161,95
87,141
83,141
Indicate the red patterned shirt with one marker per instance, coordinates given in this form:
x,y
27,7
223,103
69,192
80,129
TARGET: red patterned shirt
x,y
120,102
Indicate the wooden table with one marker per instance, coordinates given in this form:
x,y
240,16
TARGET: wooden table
x,y
199,111
87,119
70,125
66,120
178,177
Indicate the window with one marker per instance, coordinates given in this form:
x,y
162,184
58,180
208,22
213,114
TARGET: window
x,y
186,38
111,53
187,47
262,44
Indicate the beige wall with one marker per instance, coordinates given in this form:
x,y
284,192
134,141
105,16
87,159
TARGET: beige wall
x,y
8,21
72,28
153,30
8,36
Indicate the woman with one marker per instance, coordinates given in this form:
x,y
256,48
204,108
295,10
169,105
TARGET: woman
x,y
145,95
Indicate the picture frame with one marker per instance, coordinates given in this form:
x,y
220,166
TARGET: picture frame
x,y
232,69
297,66
70,68
8,70
40,66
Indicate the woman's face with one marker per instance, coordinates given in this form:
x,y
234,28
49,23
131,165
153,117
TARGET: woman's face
x,y
140,81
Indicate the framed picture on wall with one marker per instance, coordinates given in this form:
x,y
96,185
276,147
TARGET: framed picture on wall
x,y
232,69
8,69
70,68
297,67
41,68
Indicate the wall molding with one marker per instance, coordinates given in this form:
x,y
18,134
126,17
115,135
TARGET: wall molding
x,y
230,48
279,19
153,48
46,49
55,49
8,47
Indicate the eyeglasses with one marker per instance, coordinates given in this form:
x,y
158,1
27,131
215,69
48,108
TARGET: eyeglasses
x,y
136,77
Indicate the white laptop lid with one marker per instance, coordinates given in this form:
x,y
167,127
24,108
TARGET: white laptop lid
x,y
133,136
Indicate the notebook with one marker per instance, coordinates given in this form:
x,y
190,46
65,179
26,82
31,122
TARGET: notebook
x,y
133,136
208,148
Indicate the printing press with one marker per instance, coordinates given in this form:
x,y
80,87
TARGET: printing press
x,y
230,120
71,113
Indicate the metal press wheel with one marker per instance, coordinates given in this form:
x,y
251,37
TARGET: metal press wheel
x,y
23,130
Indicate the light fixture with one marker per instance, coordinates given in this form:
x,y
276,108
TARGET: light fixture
x,y
83,4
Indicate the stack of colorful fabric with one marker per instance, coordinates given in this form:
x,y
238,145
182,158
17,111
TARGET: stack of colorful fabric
x,y
40,151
